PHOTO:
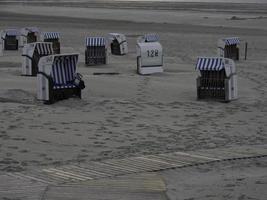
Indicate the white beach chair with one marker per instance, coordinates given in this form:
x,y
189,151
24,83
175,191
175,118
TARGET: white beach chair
x,y
32,53
57,78
229,48
9,40
96,51
53,37
118,43
149,55
217,78
29,35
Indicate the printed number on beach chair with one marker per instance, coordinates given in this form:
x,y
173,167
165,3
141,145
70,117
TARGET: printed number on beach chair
x,y
96,51
217,79
57,78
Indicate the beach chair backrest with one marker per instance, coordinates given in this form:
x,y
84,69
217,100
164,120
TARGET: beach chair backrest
x,y
25,31
118,36
51,35
231,41
216,64
150,54
95,42
152,37
64,69
44,48
11,32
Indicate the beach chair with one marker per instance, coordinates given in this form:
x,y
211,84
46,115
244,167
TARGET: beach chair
x,y
149,55
118,43
57,78
229,48
32,53
217,79
29,35
53,37
9,40
96,51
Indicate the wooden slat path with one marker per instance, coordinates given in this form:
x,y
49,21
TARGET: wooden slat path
x,y
149,163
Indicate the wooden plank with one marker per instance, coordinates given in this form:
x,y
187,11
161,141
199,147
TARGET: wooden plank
x,y
85,171
66,174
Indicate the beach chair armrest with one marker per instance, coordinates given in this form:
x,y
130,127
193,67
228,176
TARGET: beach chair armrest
x,y
27,56
46,76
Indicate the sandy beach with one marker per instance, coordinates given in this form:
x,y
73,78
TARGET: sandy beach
x,y
128,115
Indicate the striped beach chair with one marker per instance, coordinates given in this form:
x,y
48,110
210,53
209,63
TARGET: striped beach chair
x,y
53,37
57,78
118,43
32,53
29,35
96,51
10,39
217,79
229,48
149,55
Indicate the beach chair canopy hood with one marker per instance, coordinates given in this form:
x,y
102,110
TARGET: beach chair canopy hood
x,y
95,41
26,30
118,43
31,53
216,64
51,35
11,32
118,36
231,41
151,37
210,64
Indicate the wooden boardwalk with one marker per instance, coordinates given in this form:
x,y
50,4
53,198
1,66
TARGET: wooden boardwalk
x,y
94,177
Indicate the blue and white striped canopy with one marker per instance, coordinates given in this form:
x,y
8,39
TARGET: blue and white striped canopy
x,y
231,41
12,32
95,41
44,48
51,35
210,64
64,69
151,37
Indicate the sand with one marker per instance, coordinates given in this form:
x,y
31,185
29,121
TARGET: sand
x,y
126,114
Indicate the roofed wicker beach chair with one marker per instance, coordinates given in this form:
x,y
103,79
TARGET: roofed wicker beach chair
x,y
32,53
57,78
149,55
217,79
9,39
118,43
53,37
95,51
29,35
229,48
